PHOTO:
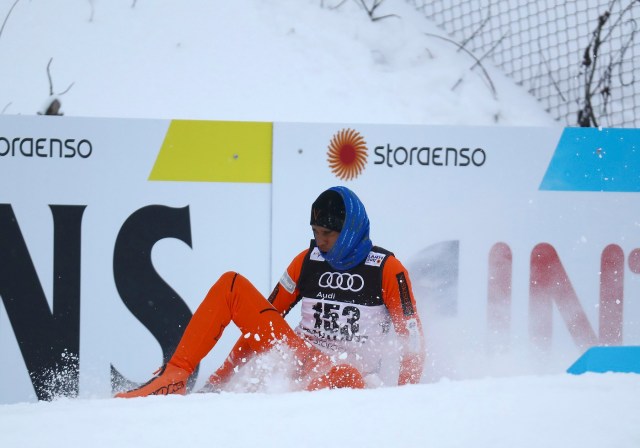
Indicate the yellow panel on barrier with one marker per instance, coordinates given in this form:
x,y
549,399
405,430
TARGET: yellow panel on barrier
x,y
215,151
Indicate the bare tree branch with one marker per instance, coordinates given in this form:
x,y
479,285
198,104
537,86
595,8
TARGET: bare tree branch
x,y
51,93
493,47
54,106
340,3
477,31
598,74
67,89
372,9
49,77
478,62
7,16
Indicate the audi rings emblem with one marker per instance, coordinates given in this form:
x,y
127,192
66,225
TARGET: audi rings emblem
x,y
341,280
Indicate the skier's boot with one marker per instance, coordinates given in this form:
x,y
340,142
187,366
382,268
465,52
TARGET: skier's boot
x,y
169,379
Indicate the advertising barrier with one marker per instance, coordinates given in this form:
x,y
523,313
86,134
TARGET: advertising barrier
x,y
523,244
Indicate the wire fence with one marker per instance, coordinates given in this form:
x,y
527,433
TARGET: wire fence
x,y
576,56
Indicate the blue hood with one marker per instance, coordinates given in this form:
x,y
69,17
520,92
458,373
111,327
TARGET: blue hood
x,y
353,244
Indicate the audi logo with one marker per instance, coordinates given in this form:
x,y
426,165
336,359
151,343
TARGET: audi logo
x,y
341,280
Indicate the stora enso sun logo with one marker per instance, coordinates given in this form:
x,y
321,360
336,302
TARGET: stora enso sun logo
x,y
347,154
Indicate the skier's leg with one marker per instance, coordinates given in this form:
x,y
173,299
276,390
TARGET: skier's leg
x,y
262,327
231,298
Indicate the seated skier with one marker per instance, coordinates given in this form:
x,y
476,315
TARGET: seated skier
x,y
351,293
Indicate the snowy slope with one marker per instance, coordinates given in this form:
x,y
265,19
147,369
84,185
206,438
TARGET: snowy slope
x,y
266,60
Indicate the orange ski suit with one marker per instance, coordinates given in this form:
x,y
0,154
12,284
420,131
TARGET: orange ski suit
x,y
234,299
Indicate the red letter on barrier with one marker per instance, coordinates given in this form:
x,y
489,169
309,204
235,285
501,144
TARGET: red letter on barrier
x,y
611,295
548,283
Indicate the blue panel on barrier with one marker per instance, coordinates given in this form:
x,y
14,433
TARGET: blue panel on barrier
x,y
590,159
608,359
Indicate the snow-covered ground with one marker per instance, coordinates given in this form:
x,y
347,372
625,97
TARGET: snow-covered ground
x,y
287,60
526,412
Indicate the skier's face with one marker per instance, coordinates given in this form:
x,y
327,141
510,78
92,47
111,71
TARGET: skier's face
x,y
325,238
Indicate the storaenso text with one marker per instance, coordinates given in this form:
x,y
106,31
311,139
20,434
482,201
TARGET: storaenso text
x,y
425,155
45,147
